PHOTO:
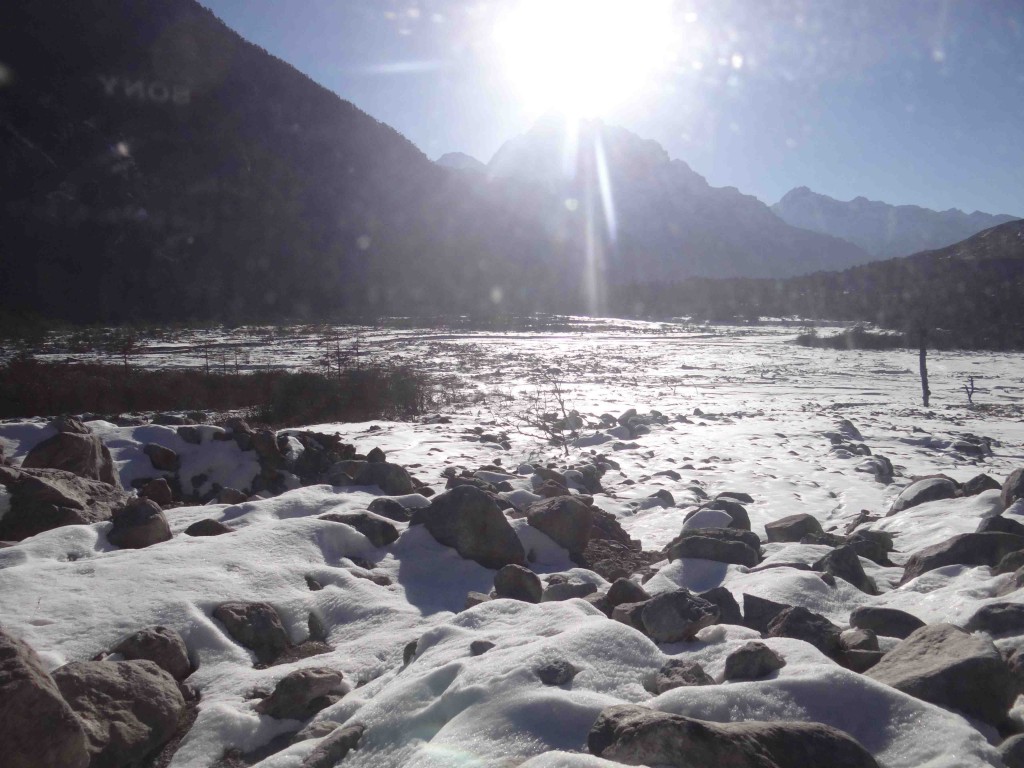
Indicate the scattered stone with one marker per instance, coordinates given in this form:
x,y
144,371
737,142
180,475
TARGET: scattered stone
x,y
518,583
301,694
714,548
1000,524
843,563
678,673
630,614
857,639
74,449
138,524
567,590
801,624
564,519
163,459
207,527
379,531
558,672
925,490
966,549
635,735
1012,751
740,496
163,646
872,545
735,510
474,599
255,626
792,528
335,747
158,490
37,727
728,608
944,665
752,661
679,615
390,509
128,708
887,622
980,484
468,520
1009,563
759,612
42,499
231,496
624,590
1013,488
480,647
997,619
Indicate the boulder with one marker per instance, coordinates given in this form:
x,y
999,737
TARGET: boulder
x,y
997,619
728,608
158,490
752,661
630,614
636,735
735,510
759,612
42,499
566,590
558,672
1009,563
480,647
163,646
76,450
844,563
37,727
468,520
857,639
334,747
792,528
301,694
231,496
393,479
379,531
678,615
163,459
255,626
979,484
624,590
679,673
972,549
887,622
801,624
207,527
139,523
390,509
872,545
564,519
518,583
1013,488
924,490
714,548
944,665
1012,751
1000,524
128,708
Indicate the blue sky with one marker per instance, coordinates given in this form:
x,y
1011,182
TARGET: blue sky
x,y
906,101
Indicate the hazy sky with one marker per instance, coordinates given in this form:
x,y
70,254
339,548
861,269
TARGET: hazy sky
x,y
906,101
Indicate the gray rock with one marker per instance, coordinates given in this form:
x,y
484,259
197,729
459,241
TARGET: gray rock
x,y
997,619
518,583
379,531
76,450
162,646
37,727
944,665
1009,563
139,523
752,661
717,549
567,590
678,673
980,484
301,694
480,647
333,749
966,549
1013,488
792,528
678,615
728,608
759,612
872,545
391,509
42,499
1000,524
624,590
857,639
887,622
735,510
924,490
1012,751
630,614
558,672
844,563
564,519
128,708
207,527
393,479
639,736
474,599
231,496
801,624
468,520
158,490
255,626
740,496
163,459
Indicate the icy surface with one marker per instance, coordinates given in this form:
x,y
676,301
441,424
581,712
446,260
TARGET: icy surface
x,y
765,407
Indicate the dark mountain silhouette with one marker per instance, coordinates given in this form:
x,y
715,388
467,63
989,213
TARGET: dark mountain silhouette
x,y
881,229
966,295
669,222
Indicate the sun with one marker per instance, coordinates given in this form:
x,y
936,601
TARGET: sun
x,y
584,58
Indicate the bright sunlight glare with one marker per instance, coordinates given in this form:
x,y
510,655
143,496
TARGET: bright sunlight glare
x,y
584,57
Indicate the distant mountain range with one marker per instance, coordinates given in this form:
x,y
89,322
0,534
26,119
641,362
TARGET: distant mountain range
x,y
883,230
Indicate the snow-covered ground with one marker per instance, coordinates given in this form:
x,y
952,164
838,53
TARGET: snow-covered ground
x,y
756,409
